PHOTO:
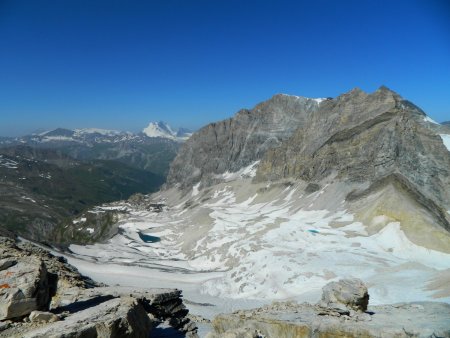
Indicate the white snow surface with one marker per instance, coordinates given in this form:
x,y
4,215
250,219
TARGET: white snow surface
x,y
162,129
58,138
195,190
246,172
159,129
104,132
429,119
318,100
253,250
8,163
446,139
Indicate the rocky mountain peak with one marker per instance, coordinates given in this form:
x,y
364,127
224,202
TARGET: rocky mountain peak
x,y
371,139
229,145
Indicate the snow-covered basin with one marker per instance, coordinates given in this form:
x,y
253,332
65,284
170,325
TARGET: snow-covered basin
x,y
244,254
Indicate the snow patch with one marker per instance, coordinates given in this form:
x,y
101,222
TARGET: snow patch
x,y
246,172
58,138
319,100
8,163
429,119
446,139
29,199
104,132
80,220
195,190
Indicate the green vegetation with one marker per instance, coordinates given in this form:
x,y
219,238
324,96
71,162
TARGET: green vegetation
x,y
37,196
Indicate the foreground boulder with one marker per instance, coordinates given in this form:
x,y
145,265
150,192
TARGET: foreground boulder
x,y
24,287
347,317
345,295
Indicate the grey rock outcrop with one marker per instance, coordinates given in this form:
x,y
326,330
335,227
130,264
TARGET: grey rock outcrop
x,y
42,316
75,306
120,317
346,294
24,287
371,139
239,141
292,320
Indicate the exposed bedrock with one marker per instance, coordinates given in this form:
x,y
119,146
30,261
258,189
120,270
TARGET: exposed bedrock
x,y
339,314
238,141
43,296
370,139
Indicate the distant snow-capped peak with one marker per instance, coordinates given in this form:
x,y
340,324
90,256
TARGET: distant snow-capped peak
x,y
159,129
162,129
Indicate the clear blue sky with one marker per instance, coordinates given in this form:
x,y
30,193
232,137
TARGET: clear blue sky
x,y
121,64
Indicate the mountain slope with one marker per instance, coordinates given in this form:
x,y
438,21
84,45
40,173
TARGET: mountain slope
x,y
42,188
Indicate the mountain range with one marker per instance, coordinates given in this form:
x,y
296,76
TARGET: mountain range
x,y
147,151
51,177
278,200
273,203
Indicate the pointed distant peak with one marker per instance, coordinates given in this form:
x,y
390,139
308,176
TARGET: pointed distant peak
x,y
159,129
386,92
58,132
384,89
357,90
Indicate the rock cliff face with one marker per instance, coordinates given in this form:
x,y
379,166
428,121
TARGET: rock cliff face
x,y
372,139
239,141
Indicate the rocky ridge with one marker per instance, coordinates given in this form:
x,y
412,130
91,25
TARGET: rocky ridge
x,y
43,296
237,142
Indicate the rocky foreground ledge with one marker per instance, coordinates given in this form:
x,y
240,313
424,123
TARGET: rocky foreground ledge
x,y
343,312
43,296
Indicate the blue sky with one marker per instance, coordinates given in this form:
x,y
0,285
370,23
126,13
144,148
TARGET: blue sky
x,y
121,64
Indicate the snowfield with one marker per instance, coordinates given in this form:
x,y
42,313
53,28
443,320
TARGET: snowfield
x,y
239,245
446,139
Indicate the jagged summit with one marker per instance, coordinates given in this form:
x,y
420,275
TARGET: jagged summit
x,y
237,142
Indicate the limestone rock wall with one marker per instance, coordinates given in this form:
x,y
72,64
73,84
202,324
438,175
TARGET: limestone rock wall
x,y
237,142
